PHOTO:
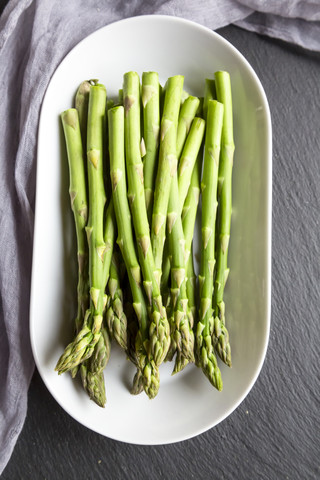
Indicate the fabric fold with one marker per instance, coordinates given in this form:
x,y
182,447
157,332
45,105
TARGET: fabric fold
x,y
305,34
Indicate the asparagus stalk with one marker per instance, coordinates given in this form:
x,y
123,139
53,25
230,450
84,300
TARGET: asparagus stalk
x,y
181,329
78,196
199,112
92,370
191,285
120,96
115,316
186,116
204,345
164,255
132,331
137,384
81,104
94,385
146,364
101,353
167,166
83,345
184,96
159,326
165,277
189,213
132,322
189,156
220,333
150,97
100,243
190,206
209,94
109,235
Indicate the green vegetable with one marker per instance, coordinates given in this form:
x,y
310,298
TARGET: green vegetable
x,y
150,97
189,213
220,332
78,196
92,369
209,94
205,348
167,166
147,153
189,156
115,317
181,330
187,113
146,364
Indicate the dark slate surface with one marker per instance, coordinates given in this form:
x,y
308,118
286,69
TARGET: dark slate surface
x,y
274,433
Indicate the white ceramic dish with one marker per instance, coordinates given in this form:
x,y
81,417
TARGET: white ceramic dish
x,y
186,405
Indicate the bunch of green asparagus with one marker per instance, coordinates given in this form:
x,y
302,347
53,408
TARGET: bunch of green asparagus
x,y
149,155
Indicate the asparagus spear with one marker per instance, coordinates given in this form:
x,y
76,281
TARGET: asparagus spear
x,y
78,196
146,364
120,96
81,104
94,385
209,94
115,316
150,97
100,234
109,235
190,206
167,166
181,329
186,116
189,156
220,333
199,112
191,285
71,121
83,345
165,277
137,384
159,326
189,213
132,331
204,345
92,369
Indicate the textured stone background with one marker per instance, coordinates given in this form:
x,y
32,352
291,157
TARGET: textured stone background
x,y
274,433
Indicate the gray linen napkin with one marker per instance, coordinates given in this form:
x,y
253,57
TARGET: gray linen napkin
x,y
35,35
294,21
